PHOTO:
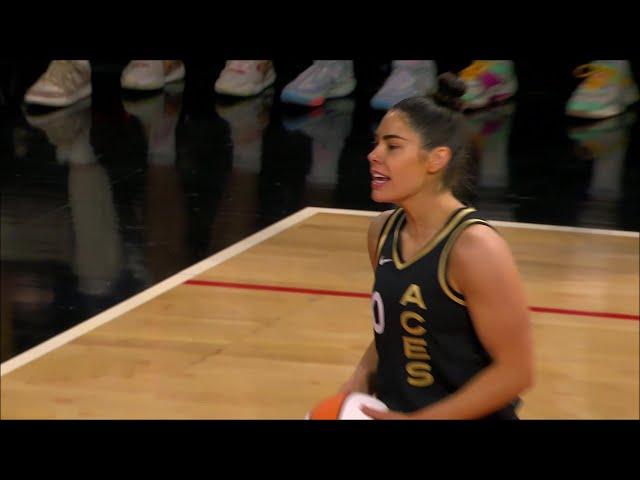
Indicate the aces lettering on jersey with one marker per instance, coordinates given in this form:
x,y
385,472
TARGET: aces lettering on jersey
x,y
414,344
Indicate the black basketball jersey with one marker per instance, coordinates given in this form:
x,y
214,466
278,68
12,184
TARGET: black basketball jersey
x,y
427,346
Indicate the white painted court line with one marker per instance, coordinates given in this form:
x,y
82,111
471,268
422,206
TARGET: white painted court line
x,y
533,226
152,292
559,228
363,213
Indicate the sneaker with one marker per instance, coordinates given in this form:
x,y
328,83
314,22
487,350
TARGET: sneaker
x,y
608,90
151,74
322,80
488,82
64,83
409,78
245,78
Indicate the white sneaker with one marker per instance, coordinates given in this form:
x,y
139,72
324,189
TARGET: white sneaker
x,y
409,78
151,74
324,79
64,83
244,78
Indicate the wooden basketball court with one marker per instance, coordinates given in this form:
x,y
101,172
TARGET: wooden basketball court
x,y
269,326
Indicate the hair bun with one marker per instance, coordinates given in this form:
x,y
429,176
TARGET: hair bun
x,y
450,90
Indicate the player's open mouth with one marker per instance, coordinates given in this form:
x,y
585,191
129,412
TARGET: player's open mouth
x,y
378,180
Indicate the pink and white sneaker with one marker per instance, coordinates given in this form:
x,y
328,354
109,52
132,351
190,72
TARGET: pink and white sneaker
x,y
244,78
151,74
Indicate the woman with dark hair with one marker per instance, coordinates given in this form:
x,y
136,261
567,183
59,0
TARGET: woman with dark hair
x,y
452,331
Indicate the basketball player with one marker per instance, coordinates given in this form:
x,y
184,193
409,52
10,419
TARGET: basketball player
x,y
452,332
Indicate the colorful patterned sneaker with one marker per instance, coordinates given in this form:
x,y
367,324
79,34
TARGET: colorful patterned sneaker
x,y
488,82
324,79
245,78
151,74
64,83
409,78
608,89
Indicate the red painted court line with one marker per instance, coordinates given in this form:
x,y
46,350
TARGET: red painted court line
x,y
336,293
563,311
248,286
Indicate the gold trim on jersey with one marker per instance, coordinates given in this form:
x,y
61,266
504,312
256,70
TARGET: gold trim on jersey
x,y
385,232
444,258
400,265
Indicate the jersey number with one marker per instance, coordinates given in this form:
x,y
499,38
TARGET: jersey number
x,y
378,313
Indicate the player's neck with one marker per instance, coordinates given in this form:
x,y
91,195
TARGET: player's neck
x,y
427,212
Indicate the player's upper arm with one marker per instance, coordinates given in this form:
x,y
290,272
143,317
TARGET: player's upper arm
x,y
482,268
375,229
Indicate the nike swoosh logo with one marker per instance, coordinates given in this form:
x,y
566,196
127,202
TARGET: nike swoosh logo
x,y
384,260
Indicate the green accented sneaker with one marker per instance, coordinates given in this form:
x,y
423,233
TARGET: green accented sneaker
x,y
608,90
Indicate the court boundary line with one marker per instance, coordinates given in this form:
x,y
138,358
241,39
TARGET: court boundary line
x,y
183,276
500,223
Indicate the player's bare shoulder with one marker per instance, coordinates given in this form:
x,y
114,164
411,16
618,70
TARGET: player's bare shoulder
x,y
479,239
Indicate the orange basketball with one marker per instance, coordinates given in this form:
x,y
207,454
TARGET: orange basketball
x,y
344,406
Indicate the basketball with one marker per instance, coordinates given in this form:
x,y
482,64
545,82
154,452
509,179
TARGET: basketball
x,y
345,406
